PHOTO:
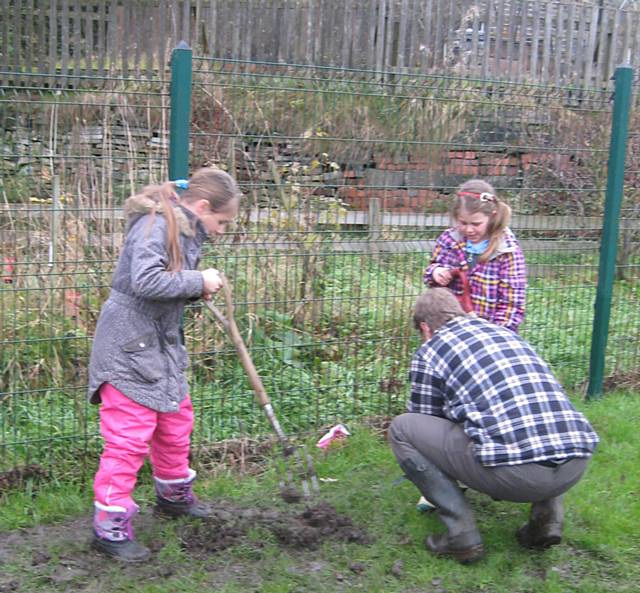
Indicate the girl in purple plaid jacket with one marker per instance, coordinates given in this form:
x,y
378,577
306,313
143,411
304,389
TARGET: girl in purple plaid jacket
x,y
482,245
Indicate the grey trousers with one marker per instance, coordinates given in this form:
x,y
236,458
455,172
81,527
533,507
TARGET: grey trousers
x,y
446,445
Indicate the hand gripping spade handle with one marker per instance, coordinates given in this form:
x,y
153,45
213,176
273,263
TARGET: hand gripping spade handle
x,y
303,464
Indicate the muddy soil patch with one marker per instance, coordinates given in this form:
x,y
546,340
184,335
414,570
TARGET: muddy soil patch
x,y
58,557
306,529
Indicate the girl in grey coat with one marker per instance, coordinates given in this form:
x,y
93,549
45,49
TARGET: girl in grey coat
x,y
138,359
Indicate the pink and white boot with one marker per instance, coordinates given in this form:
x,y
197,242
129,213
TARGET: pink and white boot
x,y
113,533
175,498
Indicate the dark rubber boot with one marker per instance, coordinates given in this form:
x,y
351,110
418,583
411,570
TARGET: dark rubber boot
x,y
462,542
175,498
545,525
113,534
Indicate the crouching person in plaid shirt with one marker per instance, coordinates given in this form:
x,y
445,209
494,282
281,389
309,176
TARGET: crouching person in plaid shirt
x,y
485,409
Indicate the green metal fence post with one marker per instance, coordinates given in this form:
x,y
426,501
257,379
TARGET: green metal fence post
x,y
180,122
610,227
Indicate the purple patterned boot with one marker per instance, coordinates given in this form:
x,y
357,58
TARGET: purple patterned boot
x,y
113,533
175,498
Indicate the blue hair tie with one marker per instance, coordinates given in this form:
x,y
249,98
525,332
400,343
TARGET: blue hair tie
x,y
182,183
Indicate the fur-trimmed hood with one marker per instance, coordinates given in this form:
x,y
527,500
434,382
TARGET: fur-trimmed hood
x,y
137,206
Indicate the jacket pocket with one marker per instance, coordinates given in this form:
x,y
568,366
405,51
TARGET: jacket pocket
x,y
178,350
144,357
183,358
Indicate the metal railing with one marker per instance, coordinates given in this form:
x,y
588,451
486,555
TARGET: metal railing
x,y
346,177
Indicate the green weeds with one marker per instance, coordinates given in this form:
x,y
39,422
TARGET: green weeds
x,y
600,547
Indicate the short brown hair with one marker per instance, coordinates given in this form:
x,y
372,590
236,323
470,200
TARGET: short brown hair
x,y
436,307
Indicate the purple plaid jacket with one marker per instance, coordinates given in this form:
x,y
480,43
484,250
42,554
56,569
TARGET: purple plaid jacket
x,y
497,286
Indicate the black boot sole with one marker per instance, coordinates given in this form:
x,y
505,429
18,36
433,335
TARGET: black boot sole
x,y
126,551
537,542
464,555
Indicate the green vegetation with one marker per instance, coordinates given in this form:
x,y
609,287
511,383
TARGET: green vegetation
x,y
599,552
333,351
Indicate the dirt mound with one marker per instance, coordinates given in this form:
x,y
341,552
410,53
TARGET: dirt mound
x,y
307,529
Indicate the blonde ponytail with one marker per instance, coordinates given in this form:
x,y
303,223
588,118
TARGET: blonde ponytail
x,y
163,198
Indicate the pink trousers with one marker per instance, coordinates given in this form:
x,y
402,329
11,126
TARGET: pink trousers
x,y
130,431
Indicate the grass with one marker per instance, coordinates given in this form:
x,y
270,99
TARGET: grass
x,y
600,550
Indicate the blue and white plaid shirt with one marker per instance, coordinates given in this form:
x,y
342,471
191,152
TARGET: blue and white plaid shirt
x,y
491,381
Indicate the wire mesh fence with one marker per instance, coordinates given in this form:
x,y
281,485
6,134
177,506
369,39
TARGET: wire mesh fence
x,y
347,177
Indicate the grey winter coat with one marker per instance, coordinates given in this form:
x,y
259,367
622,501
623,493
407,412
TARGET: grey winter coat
x,y
138,344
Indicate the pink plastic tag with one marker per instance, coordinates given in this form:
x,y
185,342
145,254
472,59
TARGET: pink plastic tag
x,y
339,431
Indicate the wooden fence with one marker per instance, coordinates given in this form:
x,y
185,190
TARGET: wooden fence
x,y
575,43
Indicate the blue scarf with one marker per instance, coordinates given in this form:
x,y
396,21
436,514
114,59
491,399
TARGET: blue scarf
x,y
476,248
473,251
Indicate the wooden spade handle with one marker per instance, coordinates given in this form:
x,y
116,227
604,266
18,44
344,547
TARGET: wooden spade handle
x,y
229,324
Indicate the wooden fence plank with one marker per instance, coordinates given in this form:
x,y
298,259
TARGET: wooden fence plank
x,y
473,65
149,21
77,41
186,23
248,26
212,35
635,44
88,53
535,40
427,40
17,38
113,36
42,24
382,9
347,30
28,39
309,24
499,36
570,47
377,34
359,38
53,39
64,47
412,27
488,16
625,47
612,45
591,48
163,25
389,37
196,35
133,33
101,46
235,26
123,32
559,42
601,63
523,40
402,35
278,25
438,47
512,28
546,42
582,43
4,23
527,222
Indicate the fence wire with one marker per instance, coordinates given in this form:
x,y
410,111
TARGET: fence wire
x,y
347,177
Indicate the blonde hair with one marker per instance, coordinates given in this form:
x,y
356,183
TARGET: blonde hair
x,y
435,307
209,183
476,195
